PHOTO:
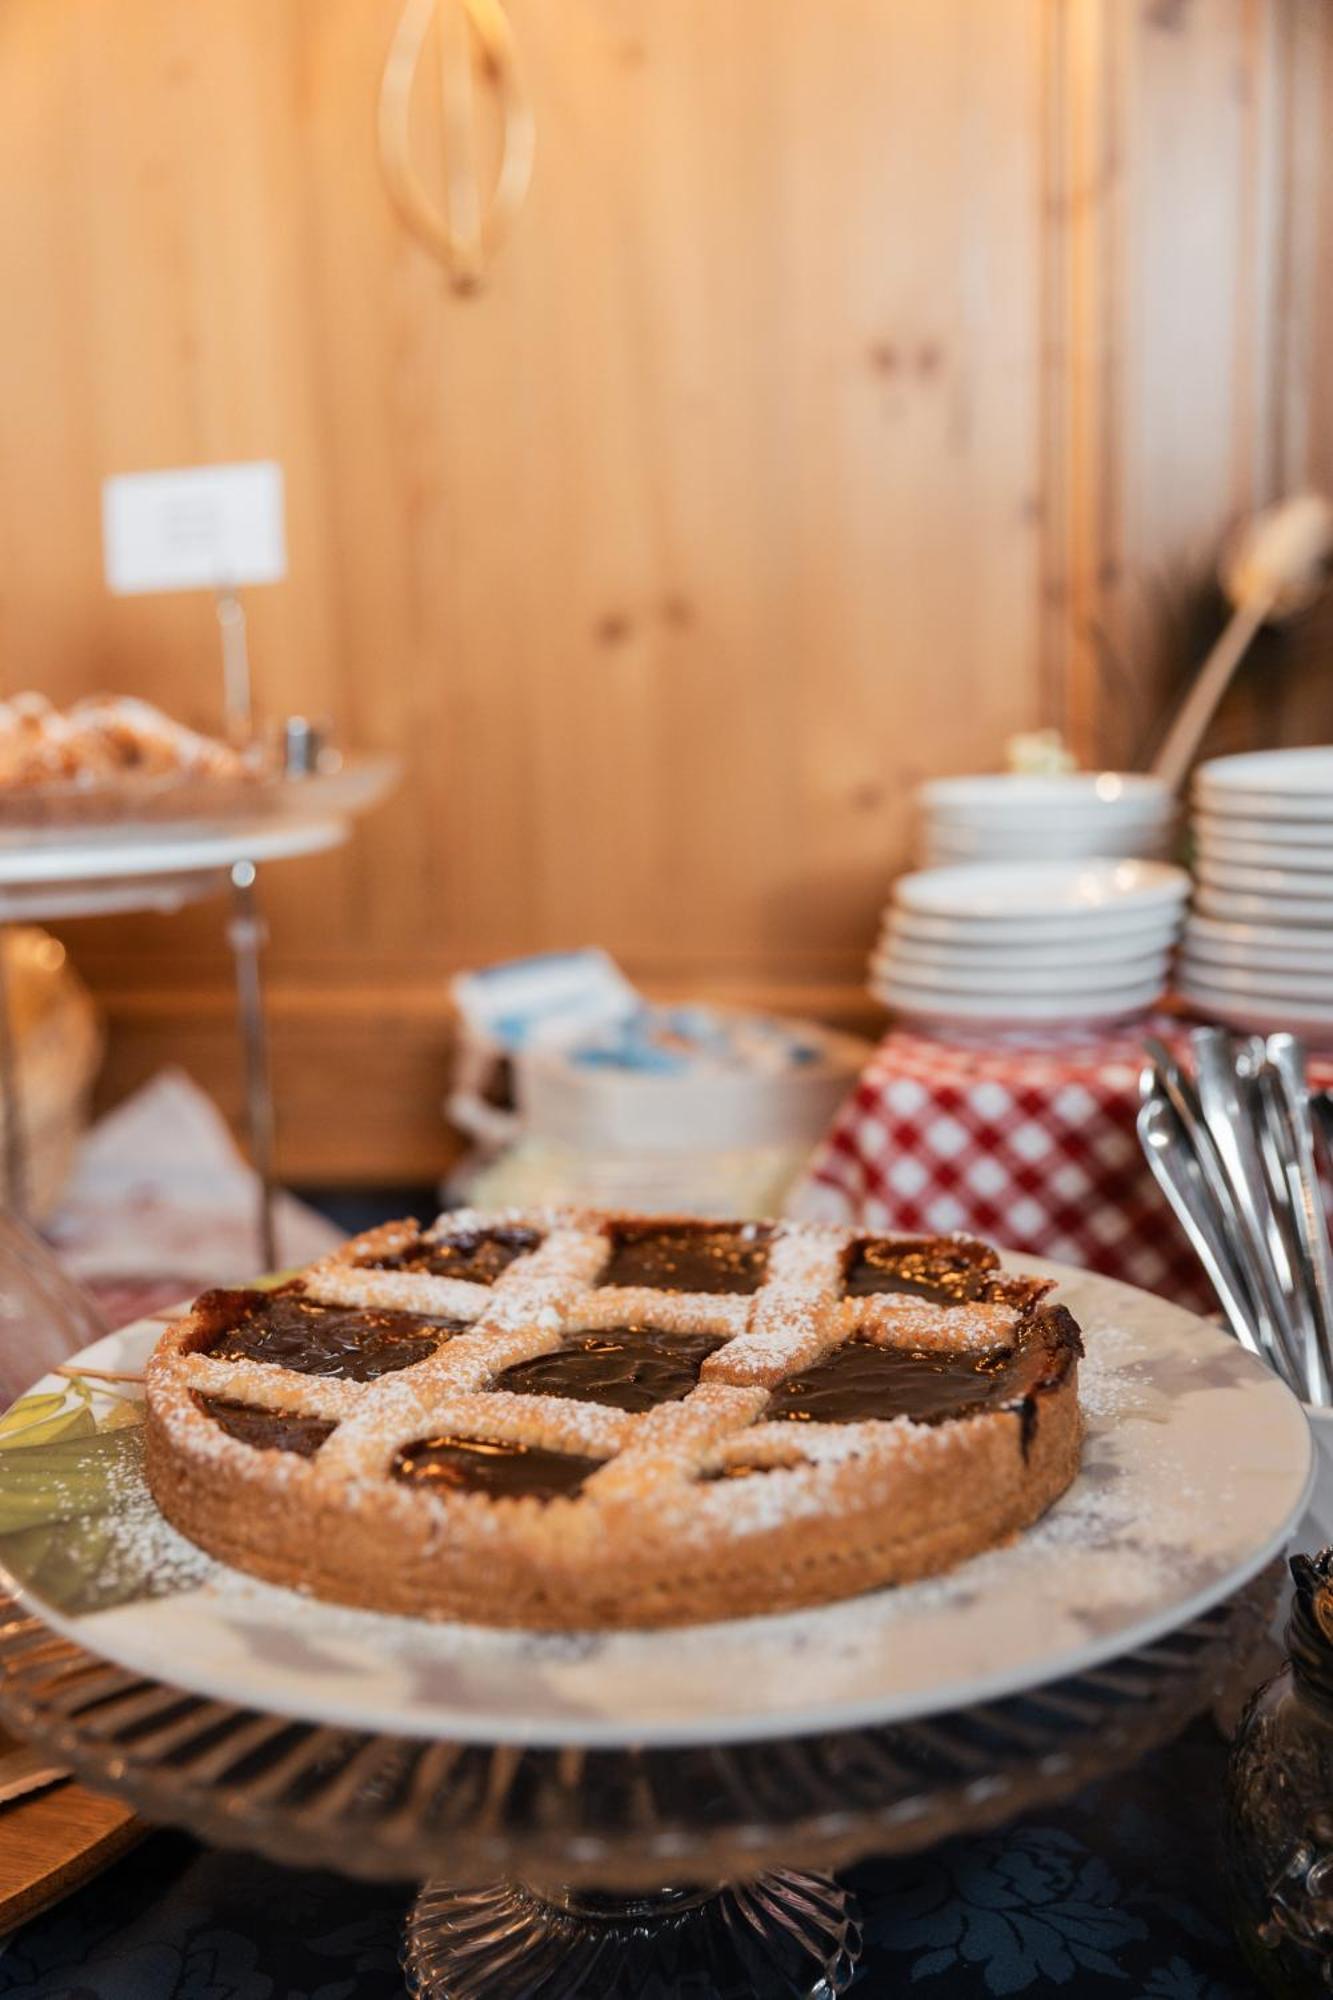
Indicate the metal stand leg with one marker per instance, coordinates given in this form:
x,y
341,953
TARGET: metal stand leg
x,y
16,1162
245,934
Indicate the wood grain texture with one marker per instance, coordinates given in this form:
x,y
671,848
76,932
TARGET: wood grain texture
x,y
858,386
52,1843
1196,150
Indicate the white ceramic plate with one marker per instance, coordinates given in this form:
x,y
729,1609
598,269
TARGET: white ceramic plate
x,y
1303,862
1036,890
1266,981
1071,981
1292,913
1082,930
1271,892
1295,950
942,1003
1259,1012
1195,1467
1293,833
1280,775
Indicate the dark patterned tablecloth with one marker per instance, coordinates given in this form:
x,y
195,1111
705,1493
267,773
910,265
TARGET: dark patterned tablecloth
x,y
1118,1893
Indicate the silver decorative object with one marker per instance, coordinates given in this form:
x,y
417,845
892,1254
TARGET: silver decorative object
x,y
1280,1797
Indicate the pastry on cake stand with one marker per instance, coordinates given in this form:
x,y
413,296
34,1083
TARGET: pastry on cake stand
x,y
608,1812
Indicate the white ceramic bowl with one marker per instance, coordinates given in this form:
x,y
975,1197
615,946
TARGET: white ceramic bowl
x,y
1071,933
1077,796
942,1004
941,850
979,959
1035,891
1071,982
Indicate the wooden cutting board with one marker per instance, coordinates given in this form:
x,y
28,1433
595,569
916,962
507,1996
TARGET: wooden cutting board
x,y
53,1842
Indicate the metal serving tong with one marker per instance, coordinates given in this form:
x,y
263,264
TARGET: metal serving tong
x,y
1236,1149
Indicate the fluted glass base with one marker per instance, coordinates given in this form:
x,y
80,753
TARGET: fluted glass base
x,y
783,1936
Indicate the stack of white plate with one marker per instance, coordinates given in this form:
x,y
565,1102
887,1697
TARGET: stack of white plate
x,y
1043,942
1060,817
1259,942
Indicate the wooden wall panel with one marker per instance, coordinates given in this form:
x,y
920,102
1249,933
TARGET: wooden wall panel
x,y
1193,137
858,383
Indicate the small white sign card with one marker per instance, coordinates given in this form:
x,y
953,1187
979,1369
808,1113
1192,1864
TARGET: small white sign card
x,y
204,527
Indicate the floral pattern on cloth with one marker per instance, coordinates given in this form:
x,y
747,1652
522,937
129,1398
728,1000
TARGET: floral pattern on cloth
x,y
1117,1893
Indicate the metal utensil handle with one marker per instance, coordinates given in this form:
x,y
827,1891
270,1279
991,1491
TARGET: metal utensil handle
x,y
1234,1127
1286,1064
1167,1153
1218,1199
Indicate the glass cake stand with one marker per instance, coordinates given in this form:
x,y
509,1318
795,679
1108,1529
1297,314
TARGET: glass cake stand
x,y
547,1867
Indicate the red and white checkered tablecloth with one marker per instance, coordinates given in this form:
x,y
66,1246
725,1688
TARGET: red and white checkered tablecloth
x,y
1029,1143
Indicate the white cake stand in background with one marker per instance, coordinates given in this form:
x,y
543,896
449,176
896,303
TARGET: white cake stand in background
x,y
160,868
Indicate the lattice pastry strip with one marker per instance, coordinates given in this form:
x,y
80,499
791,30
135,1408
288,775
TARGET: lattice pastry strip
x,y
795,1318
501,1313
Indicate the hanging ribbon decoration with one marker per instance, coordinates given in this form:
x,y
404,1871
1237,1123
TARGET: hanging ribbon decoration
x,y
464,231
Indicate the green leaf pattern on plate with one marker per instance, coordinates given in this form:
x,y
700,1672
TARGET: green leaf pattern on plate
x,y
77,1524
80,1409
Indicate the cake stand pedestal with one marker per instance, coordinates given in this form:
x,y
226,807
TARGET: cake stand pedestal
x,y
119,873
599,1832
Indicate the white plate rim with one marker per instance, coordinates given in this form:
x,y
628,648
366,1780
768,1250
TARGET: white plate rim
x,y
1257,1014
948,1004
1235,958
1254,985
987,958
1271,941
1006,935
968,892
1244,905
899,966
1312,835
1299,861
1280,773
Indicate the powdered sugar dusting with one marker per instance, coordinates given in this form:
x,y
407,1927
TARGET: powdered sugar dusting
x,y
1193,1468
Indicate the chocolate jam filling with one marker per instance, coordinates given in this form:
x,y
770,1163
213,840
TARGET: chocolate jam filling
x,y
739,1472
689,1256
626,1367
268,1430
924,1270
478,1256
502,1470
354,1343
859,1382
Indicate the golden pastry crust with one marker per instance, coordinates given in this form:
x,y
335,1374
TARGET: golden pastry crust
x,y
702,1507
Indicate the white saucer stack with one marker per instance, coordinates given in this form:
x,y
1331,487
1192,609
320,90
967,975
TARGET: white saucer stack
x,y
1258,947
1049,942
1061,817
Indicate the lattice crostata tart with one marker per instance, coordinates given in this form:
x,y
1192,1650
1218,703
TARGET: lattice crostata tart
x,y
572,1420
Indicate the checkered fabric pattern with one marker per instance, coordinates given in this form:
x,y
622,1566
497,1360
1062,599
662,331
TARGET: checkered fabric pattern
x,y
1028,1143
